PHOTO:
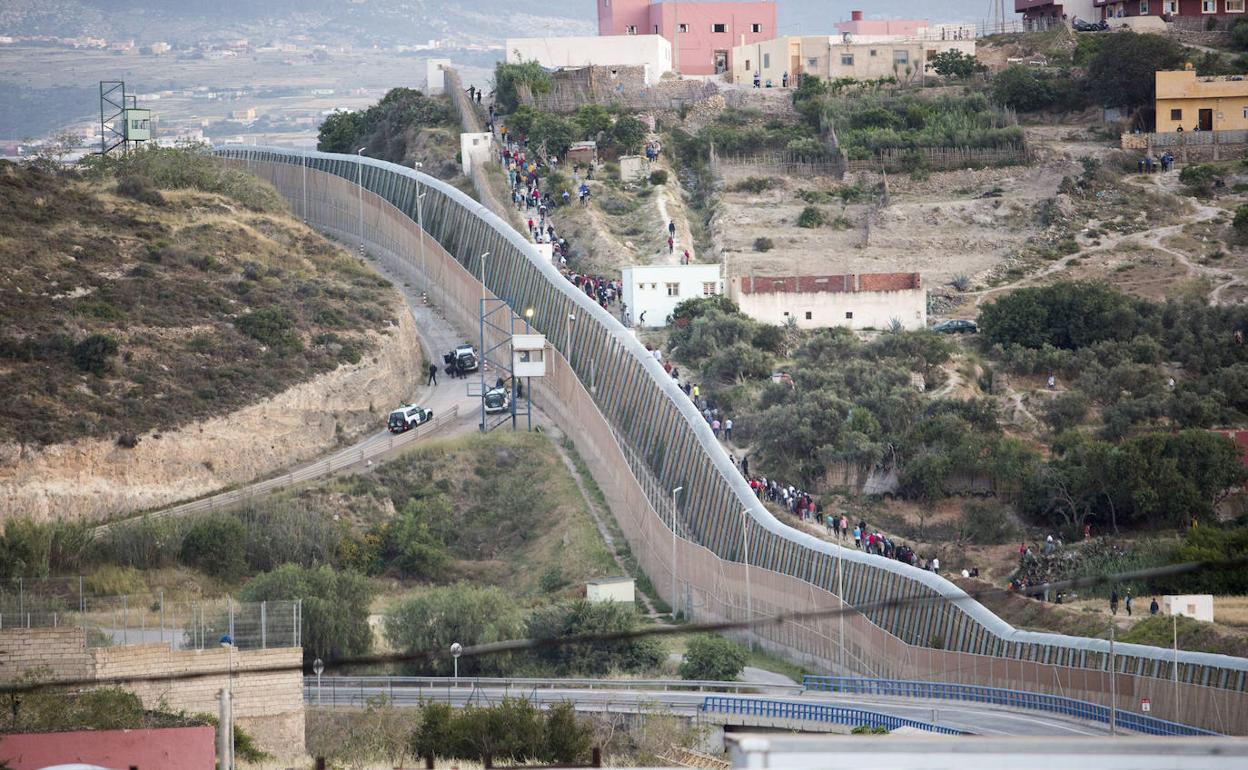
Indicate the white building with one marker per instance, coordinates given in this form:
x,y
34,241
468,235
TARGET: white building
x,y
862,301
1195,606
616,589
652,292
650,51
831,57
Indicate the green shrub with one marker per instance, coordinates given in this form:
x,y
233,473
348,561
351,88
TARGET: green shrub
x,y
1240,223
429,623
658,176
596,658
1067,411
334,621
514,730
764,244
92,354
987,523
1198,178
270,326
712,658
755,184
810,218
141,189
217,545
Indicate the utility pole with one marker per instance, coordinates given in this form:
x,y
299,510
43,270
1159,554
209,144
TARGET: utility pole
x,y
225,731
749,598
1174,620
674,492
359,185
840,595
420,221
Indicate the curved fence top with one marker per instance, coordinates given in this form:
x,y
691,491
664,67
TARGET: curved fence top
x,y
938,589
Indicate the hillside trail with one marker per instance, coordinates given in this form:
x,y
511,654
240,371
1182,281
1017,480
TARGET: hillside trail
x,y
673,211
1147,238
596,514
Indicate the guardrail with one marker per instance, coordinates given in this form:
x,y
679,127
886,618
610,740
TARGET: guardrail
x,y
816,712
1055,704
445,682
336,462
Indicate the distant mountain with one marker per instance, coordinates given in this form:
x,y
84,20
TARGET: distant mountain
x,y
390,22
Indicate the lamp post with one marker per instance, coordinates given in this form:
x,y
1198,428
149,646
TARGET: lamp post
x,y
674,491
528,381
749,598
481,362
304,159
359,186
456,649
318,666
420,221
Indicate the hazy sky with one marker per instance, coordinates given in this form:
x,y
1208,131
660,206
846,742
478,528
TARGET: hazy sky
x,y
822,14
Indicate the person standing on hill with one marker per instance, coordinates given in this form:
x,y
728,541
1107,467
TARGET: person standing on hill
x,y
1113,602
671,228
433,375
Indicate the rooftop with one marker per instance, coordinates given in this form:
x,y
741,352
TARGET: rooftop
x,y
831,284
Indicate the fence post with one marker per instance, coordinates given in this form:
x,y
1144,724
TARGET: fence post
x,y
229,603
162,615
264,625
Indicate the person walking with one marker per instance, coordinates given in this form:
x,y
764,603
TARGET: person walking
x,y
1128,604
1113,602
685,258
1153,607
715,427
671,228
728,429
671,244
433,375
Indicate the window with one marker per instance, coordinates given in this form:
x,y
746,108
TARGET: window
x,y
682,27
1209,6
812,63
719,28
708,289
1170,6
1178,114
673,289
1234,6
631,29
766,61
808,314
873,52
901,57
1144,7
747,65
641,287
656,29
756,27
849,315
654,286
847,60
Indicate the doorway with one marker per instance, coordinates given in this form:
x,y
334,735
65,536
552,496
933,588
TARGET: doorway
x,y
1206,120
721,62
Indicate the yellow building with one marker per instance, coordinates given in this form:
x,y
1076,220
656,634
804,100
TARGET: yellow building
x,y
1186,102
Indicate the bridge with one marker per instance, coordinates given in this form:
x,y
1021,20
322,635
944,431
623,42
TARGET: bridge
x,y
726,555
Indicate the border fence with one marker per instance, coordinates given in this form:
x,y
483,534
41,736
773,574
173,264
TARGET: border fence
x,y
727,556
120,620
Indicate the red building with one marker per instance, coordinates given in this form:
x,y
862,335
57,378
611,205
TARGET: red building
x,y
1181,9
171,748
702,34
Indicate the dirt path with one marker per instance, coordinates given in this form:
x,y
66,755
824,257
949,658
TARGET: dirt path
x,y
1151,238
596,514
675,212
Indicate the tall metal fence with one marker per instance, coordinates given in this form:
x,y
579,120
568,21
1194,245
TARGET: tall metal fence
x,y
731,559
113,620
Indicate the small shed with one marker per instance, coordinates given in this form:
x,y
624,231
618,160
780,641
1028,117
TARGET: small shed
x,y
612,589
583,153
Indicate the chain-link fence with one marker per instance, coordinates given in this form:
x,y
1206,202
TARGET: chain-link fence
x,y
148,618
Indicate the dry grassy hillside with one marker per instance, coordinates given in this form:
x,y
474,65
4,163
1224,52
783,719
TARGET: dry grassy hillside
x,y
160,290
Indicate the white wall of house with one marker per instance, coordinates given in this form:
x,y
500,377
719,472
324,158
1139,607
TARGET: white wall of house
x,y
619,589
650,51
855,310
1195,606
656,290
831,57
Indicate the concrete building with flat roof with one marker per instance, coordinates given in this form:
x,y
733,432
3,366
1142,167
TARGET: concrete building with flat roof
x,y
650,51
830,57
702,34
862,301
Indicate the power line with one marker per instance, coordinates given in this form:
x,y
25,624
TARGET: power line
x,y
521,645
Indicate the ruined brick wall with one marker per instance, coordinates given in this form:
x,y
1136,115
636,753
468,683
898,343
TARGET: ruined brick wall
x,y
268,704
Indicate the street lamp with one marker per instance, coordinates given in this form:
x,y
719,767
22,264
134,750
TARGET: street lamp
x,y
420,220
456,649
749,599
674,491
359,186
318,666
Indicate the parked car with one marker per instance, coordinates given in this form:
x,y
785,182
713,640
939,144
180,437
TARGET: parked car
x,y
497,399
407,417
466,355
1079,25
956,326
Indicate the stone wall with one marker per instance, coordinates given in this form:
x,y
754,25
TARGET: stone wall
x,y
267,704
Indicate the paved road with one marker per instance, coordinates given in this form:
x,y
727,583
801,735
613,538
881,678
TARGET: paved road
x,y
973,718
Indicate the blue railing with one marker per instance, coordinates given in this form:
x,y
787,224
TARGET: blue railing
x,y
815,712
1055,704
